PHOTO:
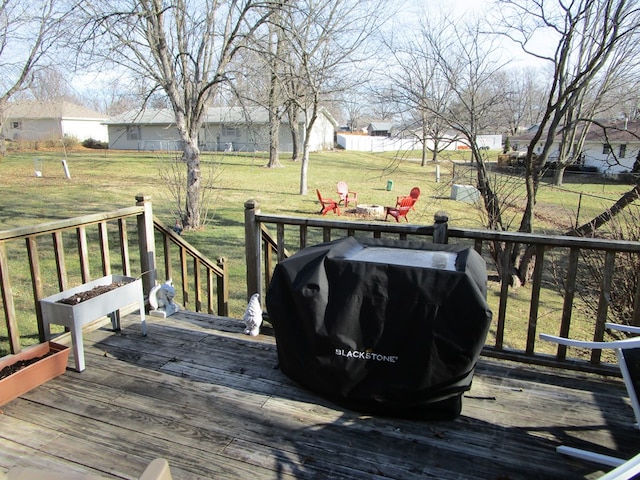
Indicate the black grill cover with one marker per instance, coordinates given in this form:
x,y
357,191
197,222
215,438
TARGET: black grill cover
x,y
382,326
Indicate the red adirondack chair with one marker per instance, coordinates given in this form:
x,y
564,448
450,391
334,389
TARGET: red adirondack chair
x,y
414,194
327,204
345,195
401,210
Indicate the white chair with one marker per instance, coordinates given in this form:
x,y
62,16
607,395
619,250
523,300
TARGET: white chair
x,y
158,469
628,354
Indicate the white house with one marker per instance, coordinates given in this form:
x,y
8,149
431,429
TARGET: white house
x,y
225,128
36,120
611,148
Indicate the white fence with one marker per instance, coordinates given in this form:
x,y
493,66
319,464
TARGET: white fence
x,y
363,143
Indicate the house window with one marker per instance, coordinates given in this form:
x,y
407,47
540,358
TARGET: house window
x,y
133,133
230,132
16,125
623,151
606,149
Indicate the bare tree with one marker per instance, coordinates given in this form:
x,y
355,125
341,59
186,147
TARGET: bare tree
x,y
30,33
327,42
468,61
49,84
181,47
524,98
587,33
421,88
594,100
354,105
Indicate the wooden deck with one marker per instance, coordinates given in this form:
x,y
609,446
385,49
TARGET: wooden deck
x,y
211,400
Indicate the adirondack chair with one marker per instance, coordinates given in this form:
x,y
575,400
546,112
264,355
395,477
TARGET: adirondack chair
x,y
628,354
414,194
400,210
327,204
345,195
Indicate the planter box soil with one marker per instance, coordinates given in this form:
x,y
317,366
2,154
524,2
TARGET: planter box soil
x,y
41,363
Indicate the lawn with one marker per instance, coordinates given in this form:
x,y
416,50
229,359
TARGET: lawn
x,y
108,180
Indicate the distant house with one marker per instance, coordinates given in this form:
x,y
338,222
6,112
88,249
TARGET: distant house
x,y
611,147
34,120
379,129
225,128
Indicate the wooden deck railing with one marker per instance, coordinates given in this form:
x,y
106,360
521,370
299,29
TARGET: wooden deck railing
x,y
263,250
96,239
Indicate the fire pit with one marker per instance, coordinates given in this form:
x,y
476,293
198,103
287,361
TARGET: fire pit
x,y
370,210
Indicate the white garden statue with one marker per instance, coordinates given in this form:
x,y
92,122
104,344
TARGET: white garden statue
x,y
253,316
161,300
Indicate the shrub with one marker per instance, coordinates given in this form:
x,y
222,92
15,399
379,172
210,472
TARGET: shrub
x,y
93,143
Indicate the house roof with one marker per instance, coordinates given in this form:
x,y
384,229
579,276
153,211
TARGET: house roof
x,y
221,115
380,126
619,131
36,110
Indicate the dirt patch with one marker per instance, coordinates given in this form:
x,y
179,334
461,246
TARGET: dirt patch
x,y
89,294
20,364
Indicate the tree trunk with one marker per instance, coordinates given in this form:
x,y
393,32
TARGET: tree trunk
x,y
436,150
274,140
558,175
3,146
590,227
425,135
191,157
304,168
295,136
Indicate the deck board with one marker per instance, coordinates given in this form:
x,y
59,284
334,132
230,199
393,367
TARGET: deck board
x,y
211,400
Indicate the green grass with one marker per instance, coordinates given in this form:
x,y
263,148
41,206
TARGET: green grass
x,y
107,180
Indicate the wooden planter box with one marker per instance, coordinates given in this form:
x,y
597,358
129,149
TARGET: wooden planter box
x,y
35,374
76,316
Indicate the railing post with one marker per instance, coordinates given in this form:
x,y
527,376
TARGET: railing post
x,y
252,237
147,244
441,227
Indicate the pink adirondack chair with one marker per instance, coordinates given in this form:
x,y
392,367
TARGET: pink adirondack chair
x,y
345,195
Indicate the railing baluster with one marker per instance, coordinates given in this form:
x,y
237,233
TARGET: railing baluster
x,y
280,242
303,236
535,299
223,288
603,303
83,253
184,276
36,281
268,263
210,282
61,268
124,247
569,294
504,294
635,317
197,285
104,248
168,268
8,303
